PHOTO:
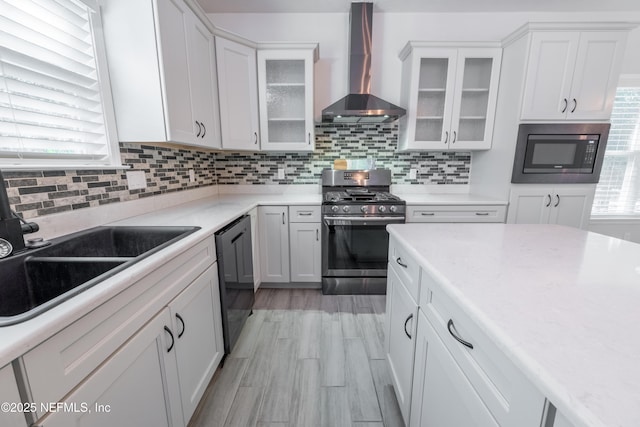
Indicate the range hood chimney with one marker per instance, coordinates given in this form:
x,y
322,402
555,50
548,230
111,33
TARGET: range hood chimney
x,y
360,106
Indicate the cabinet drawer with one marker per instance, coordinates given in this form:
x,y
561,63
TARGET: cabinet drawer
x,y
304,213
405,266
59,364
455,213
508,394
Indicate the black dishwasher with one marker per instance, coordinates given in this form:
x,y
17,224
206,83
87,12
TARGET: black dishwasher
x,y
235,271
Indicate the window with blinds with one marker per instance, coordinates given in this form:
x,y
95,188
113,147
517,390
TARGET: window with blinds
x,y
618,192
54,101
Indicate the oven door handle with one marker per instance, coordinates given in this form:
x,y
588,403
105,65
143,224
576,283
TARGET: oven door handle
x,y
389,219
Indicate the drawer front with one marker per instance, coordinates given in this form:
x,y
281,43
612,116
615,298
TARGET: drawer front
x,y
57,365
406,267
510,397
304,213
475,213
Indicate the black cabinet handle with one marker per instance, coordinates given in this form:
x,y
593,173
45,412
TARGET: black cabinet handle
x,y
446,137
399,261
451,329
255,134
309,137
455,134
549,202
575,105
557,201
317,235
173,341
283,218
199,129
181,333
482,213
204,132
405,325
566,104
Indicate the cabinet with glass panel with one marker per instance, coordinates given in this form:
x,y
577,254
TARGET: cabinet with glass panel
x,y
450,94
285,87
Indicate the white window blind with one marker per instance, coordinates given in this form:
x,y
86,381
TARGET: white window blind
x,y
52,109
618,192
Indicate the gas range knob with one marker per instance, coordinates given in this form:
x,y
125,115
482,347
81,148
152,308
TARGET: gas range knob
x,y
345,208
393,209
381,208
364,209
334,208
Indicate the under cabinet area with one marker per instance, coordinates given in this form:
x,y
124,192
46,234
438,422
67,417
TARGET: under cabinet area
x,y
450,94
572,75
238,86
285,84
568,204
10,416
170,94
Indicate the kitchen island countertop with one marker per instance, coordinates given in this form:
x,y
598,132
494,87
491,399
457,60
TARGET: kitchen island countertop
x,y
561,303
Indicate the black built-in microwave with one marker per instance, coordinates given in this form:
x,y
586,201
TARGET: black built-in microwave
x,y
559,152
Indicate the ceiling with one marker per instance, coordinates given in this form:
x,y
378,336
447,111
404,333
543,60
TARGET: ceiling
x,y
404,6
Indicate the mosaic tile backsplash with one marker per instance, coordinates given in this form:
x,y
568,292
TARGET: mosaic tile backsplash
x,y
37,193
349,142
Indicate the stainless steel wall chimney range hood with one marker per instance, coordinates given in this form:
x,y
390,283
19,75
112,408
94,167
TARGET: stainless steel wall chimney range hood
x,y
360,106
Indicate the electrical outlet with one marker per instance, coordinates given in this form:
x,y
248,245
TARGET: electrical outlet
x,y
136,180
413,173
280,173
192,175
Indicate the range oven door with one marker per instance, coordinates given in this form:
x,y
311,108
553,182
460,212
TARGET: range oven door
x,y
356,246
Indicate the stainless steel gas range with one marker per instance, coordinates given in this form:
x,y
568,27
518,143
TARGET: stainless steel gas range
x,y
356,208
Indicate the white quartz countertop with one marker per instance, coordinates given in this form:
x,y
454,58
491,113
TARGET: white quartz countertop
x,y
562,303
211,214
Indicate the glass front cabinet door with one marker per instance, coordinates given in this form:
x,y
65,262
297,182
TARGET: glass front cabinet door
x,y
285,85
450,94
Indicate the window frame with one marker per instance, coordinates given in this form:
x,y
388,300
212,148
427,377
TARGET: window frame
x,y
625,80
113,160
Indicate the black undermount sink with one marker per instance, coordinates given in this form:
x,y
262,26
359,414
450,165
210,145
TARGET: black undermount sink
x,y
38,279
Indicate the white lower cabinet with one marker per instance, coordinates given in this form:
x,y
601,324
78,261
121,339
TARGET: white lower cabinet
x,y
568,204
274,243
136,386
9,394
401,317
198,337
456,213
305,244
442,394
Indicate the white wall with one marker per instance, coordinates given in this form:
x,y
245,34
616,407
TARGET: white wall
x,y
391,31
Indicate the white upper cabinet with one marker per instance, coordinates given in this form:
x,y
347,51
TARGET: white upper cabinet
x,y
572,75
285,83
450,94
238,90
161,65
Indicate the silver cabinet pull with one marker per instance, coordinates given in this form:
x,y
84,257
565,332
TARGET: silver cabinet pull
x,y
575,105
455,134
566,104
557,201
402,264
173,341
453,332
482,213
405,325
446,137
549,202
427,213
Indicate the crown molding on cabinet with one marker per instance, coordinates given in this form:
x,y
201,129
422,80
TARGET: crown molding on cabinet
x,y
567,26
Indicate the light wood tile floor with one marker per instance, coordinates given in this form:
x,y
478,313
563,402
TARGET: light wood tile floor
x,y
304,360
